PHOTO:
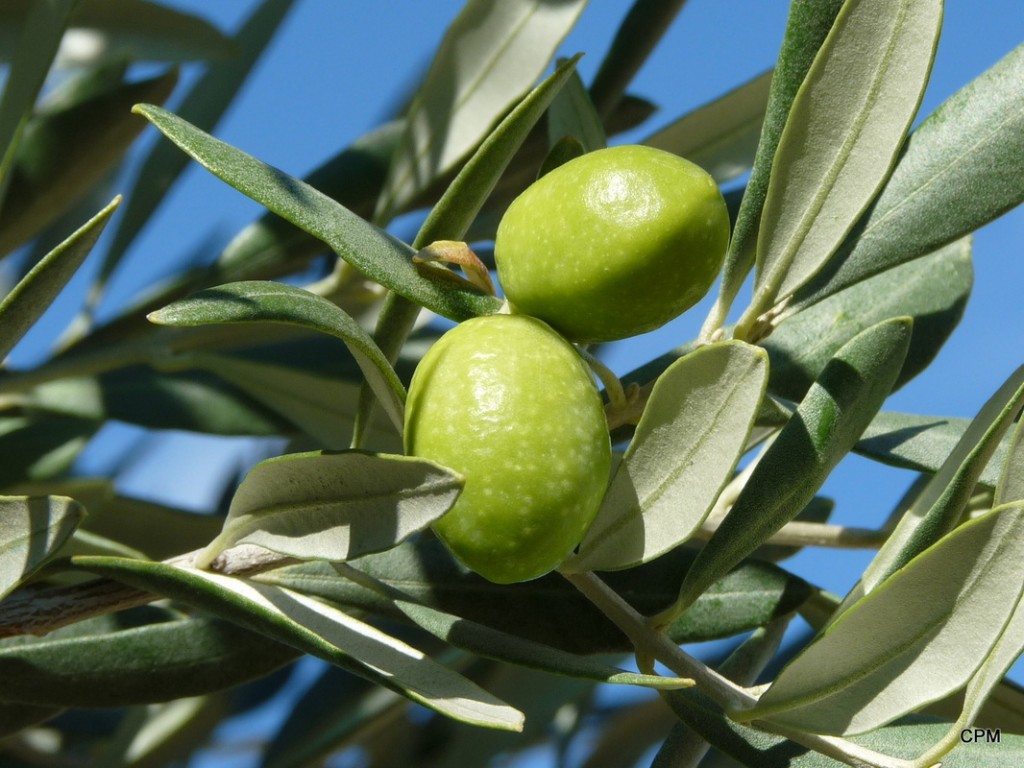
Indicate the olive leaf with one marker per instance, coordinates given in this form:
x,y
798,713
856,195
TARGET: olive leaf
x,y
906,739
25,304
452,215
693,431
32,529
722,136
807,27
136,29
636,37
161,734
203,105
825,426
933,290
189,400
66,152
938,507
921,443
378,255
491,55
257,301
18,717
572,114
321,630
937,630
335,712
841,138
39,445
334,506
158,657
1011,477
549,610
985,681
320,404
353,177
486,641
743,666
41,28
972,141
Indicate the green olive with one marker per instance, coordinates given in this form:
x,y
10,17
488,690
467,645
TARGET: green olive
x,y
511,406
614,243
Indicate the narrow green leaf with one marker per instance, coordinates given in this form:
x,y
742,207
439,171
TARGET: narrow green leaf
x,y
101,664
917,637
156,529
41,28
31,530
24,305
322,406
377,254
635,39
693,431
938,508
807,27
39,446
906,739
986,684
334,506
165,734
492,643
932,290
573,114
921,443
316,628
549,610
133,29
972,142
336,712
491,55
565,149
722,136
818,510
823,429
454,213
844,130
1011,477
353,177
65,154
15,718
188,400
203,106
145,31
257,301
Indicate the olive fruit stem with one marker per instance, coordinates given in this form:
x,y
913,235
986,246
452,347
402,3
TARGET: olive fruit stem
x,y
756,324
712,330
657,645
725,693
618,398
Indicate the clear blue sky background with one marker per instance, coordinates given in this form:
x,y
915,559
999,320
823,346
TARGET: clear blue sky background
x,y
338,67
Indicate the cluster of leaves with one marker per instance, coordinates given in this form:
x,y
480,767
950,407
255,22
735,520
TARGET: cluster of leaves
x,y
859,241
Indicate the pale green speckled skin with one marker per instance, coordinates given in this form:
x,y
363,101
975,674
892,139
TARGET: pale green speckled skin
x,y
613,244
510,405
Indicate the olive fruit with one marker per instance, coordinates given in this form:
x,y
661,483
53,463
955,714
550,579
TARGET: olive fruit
x,y
511,406
613,243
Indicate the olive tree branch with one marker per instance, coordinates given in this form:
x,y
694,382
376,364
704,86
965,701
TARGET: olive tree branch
x,y
39,612
719,688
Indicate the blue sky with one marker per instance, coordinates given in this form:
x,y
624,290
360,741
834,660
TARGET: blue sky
x,y
338,67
